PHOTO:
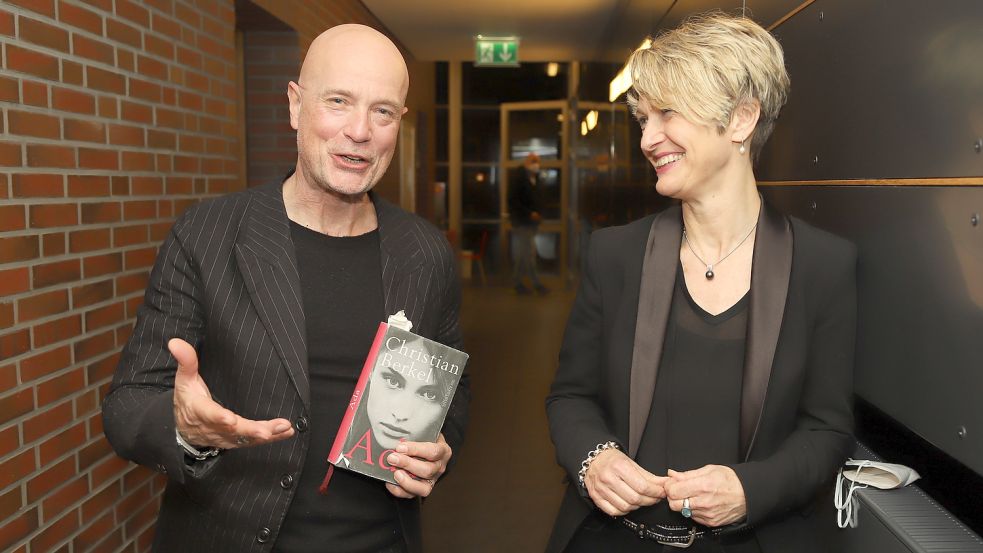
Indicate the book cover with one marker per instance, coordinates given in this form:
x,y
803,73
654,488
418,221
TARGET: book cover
x,y
403,393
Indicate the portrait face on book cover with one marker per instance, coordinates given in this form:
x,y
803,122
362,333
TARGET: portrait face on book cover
x,y
405,398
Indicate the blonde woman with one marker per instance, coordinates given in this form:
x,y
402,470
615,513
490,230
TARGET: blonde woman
x,y
703,396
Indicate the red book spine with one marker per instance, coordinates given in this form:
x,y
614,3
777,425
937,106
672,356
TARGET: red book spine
x,y
339,441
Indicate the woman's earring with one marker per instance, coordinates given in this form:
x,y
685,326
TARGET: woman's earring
x,y
742,149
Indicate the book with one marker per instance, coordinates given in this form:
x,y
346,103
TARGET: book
x,y
403,393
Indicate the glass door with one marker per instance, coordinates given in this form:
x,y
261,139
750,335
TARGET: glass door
x,y
541,128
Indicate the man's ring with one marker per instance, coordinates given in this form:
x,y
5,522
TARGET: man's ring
x,y
242,440
686,512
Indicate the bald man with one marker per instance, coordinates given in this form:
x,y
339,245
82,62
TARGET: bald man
x,y
257,319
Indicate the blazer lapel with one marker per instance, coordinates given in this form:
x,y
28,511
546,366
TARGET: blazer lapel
x,y
770,272
654,301
266,258
402,256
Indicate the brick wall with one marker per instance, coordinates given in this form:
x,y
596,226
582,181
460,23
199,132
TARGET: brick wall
x,y
115,115
271,59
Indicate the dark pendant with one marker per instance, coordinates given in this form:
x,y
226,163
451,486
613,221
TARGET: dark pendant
x,y
709,274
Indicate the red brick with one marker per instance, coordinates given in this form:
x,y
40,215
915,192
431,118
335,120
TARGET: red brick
x,y
134,12
50,274
161,139
104,5
128,236
28,123
132,306
105,264
91,158
104,316
140,259
106,81
9,91
14,344
9,439
85,130
126,60
14,281
102,212
12,217
125,135
10,154
44,423
38,185
147,186
86,403
121,185
93,293
124,33
165,25
55,533
8,381
169,118
14,405
88,240
6,28
160,47
123,334
50,155
88,186
78,16
52,244
66,99
144,209
191,143
72,493
107,469
152,68
93,49
72,73
42,305
44,7
32,62
165,163
10,503
145,90
43,364
88,457
108,107
35,94
43,34
95,346
89,537
53,215
19,248
137,113
49,479
60,387
187,164
6,314
129,284
19,528
58,330
137,161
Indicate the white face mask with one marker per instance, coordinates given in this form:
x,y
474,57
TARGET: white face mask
x,y
862,474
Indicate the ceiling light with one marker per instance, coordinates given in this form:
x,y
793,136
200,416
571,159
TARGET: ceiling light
x,y
552,68
583,128
591,119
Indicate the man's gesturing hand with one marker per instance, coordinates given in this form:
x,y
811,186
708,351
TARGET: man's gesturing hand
x,y
203,422
617,485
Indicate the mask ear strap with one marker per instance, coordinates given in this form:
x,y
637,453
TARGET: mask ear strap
x,y
846,507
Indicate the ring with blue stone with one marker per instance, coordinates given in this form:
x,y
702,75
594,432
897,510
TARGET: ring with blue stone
x,y
686,512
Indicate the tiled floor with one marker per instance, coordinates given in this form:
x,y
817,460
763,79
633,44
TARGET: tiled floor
x,y
503,493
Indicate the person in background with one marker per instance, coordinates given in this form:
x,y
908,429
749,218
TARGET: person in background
x,y
704,390
525,211
256,322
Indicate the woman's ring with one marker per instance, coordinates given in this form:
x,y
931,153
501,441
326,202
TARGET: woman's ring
x,y
686,512
242,440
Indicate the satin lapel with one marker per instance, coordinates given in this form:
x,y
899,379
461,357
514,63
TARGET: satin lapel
x,y
402,255
654,301
266,258
770,272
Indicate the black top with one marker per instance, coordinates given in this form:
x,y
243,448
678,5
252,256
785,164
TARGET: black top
x,y
525,197
341,287
696,410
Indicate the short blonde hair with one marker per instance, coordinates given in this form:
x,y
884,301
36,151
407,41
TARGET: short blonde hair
x,y
710,65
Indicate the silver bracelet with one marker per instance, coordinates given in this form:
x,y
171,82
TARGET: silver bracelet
x,y
192,451
585,464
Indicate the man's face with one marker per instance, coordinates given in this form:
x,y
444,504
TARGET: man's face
x,y
404,399
347,111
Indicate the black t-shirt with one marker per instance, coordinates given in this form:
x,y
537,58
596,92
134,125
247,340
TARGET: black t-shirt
x,y
341,286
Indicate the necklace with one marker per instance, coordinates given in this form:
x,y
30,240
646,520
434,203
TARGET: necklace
x,y
709,273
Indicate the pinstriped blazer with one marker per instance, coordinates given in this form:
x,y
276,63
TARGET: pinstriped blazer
x,y
226,281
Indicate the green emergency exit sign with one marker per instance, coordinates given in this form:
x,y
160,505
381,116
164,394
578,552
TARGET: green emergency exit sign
x,y
496,51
